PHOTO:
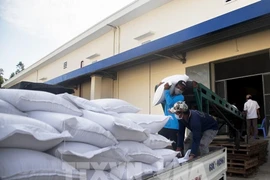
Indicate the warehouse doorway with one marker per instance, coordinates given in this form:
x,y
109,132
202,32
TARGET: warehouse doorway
x,y
237,89
249,74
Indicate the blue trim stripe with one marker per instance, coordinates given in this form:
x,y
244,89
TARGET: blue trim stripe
x,y
246,13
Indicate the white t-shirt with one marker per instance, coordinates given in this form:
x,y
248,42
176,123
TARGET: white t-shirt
x,y
251,107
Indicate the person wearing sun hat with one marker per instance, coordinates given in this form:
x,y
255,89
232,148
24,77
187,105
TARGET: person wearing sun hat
x,y
203,129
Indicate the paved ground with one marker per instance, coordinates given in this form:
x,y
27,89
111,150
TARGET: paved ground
x,y
263,172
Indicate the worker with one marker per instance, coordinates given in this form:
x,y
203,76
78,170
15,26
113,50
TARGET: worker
x,y
203,128
252,113
170,130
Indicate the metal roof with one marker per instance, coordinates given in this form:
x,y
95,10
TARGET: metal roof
x,y
237,23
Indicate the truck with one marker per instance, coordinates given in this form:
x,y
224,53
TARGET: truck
x,y
212,166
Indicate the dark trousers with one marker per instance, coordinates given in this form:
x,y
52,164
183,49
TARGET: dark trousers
x,y
170,134
252,127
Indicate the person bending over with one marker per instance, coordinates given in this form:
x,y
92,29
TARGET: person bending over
x,y
203,129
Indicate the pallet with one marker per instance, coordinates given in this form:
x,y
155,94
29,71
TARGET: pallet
x,y
245,150
243,145
245,160
242,164
262,157
243,173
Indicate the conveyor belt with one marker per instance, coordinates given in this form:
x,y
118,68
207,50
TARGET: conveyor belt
x,y
201,98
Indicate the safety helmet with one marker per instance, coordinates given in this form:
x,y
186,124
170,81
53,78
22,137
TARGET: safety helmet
x,y
179,106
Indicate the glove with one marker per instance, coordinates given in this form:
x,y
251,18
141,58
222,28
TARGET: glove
x,y
179,153
166,86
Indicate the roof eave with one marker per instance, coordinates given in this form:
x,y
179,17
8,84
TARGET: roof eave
x,y
124,15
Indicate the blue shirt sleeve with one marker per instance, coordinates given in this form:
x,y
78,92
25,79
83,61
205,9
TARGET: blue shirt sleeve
x,y
195,126
170,100
181,135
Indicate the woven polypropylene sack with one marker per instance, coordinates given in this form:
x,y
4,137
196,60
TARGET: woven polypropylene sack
x,y
82,103
97,175
159,94
33,165
122,129
80,128
97,158
116,105
156,141
167,154
27,100
133,170
150,122
23,132
139,152
7,108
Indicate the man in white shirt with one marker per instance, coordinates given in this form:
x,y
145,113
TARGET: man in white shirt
x,y
251,109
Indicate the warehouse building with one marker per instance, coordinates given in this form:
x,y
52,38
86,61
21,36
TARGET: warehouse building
x,y
224,44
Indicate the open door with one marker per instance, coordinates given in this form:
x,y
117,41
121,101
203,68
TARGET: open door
x,y
266,84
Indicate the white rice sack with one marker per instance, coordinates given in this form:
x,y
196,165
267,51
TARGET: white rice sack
x,y
166,166
97,175
7,108
23,132
116,105
153,123
97,158
156,141
122,129
171,165
185,158
139,152
80,128
82,103
26,100
33,165
132,170
167,154
159,165
159,94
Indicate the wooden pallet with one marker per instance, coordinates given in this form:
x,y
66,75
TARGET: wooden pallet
x,y
262,157
243,173
242,164
245,160
245,150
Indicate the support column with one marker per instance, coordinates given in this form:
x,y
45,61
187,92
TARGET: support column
x,y
212,77
95,87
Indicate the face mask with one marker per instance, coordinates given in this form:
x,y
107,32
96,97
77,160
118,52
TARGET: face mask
x,y
178,117
177,91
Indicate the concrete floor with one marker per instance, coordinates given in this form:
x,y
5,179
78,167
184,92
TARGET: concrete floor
x,y
263,173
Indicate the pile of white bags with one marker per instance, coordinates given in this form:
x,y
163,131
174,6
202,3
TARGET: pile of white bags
x,y
47,136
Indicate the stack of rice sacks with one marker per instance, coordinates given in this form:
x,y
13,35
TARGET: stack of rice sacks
x,y
47,136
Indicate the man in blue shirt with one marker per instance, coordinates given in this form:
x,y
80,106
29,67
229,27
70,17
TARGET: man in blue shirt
x,y
171,128
203,129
